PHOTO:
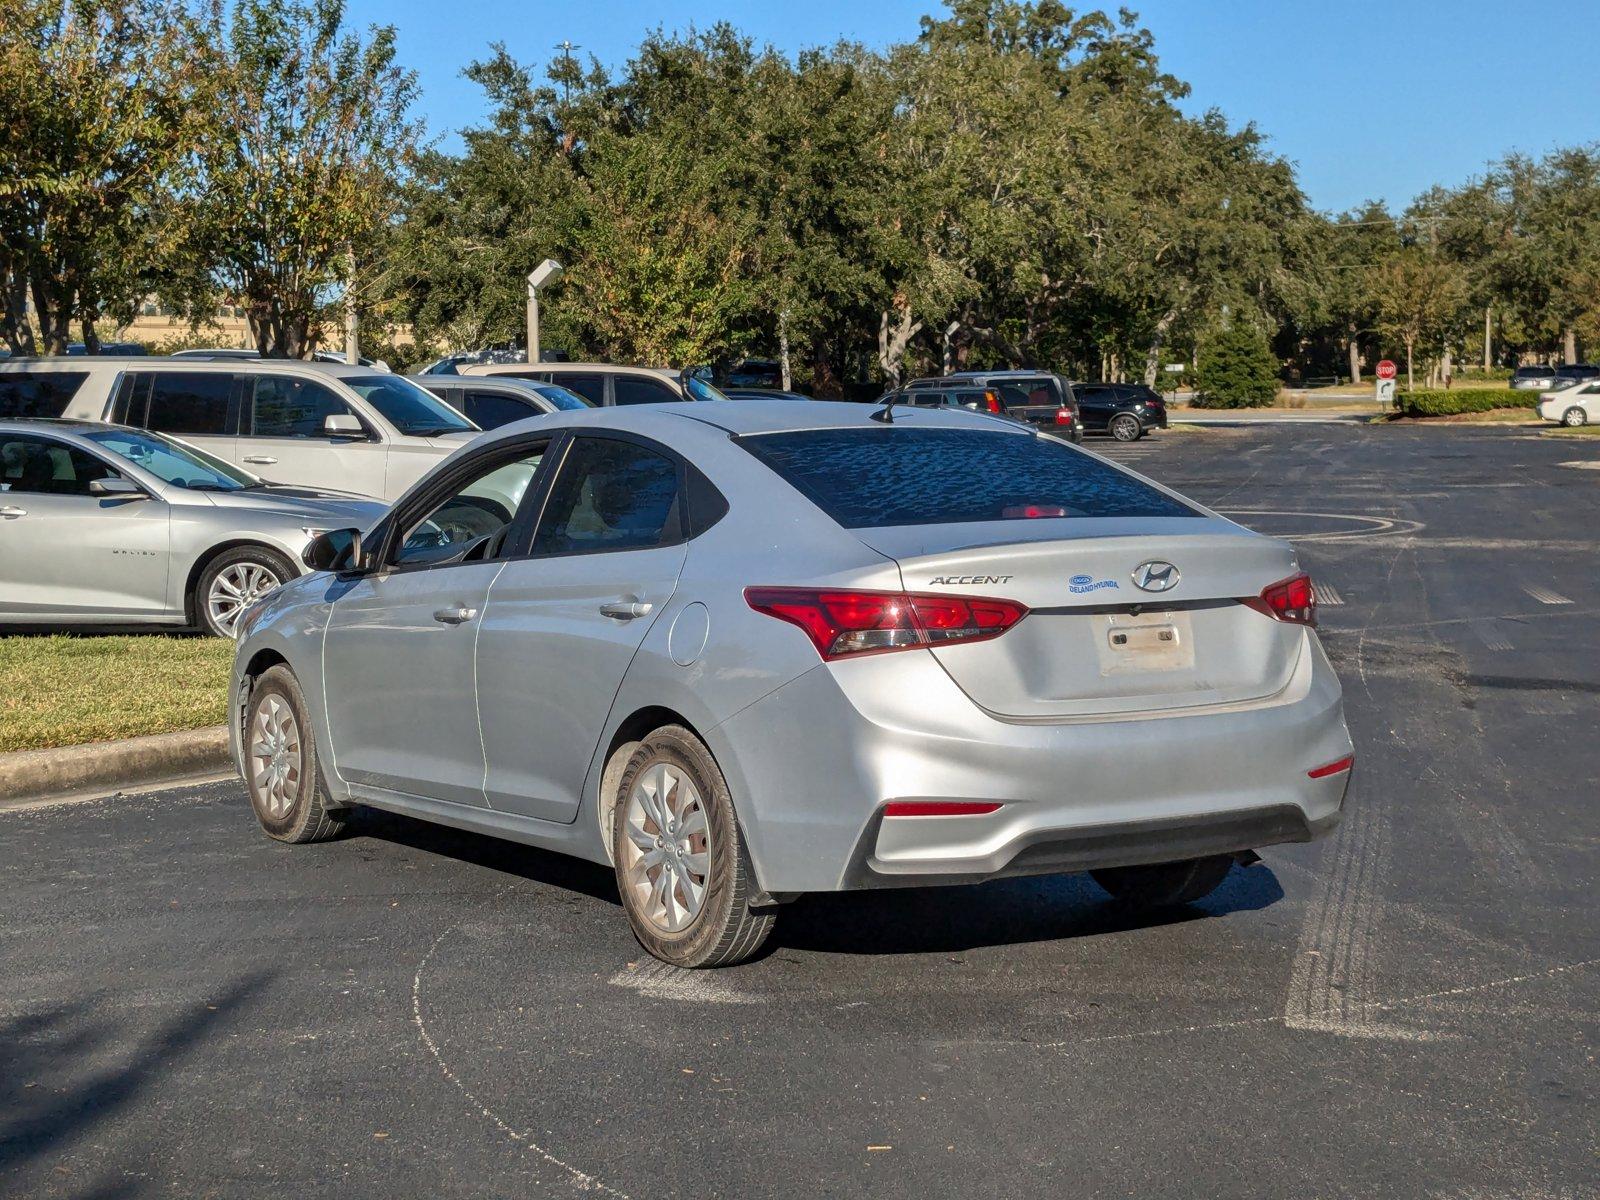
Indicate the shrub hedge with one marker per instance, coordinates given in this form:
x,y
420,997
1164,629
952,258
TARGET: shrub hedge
x,y
1438,402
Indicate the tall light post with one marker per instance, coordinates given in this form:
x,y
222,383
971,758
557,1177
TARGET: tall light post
x,y
546,272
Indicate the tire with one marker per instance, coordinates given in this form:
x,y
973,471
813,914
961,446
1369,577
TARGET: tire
x,y
234,580
1574,417
1163,885
1126,428
700,848
282,772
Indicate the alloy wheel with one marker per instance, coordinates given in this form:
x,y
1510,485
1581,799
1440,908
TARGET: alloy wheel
x,y
236,587
667,847
275,756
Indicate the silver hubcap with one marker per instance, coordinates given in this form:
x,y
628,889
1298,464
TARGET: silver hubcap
x,y
1124,429
275,756
666,848
236,587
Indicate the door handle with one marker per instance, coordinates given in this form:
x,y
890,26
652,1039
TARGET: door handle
x,y
263,460
625,610
459,615
11,512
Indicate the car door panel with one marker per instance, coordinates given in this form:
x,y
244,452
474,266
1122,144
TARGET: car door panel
x,y
281,438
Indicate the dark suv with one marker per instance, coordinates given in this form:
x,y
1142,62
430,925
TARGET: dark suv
x,y
1034,397
1127,411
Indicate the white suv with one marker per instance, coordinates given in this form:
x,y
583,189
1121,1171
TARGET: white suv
x,y
320,425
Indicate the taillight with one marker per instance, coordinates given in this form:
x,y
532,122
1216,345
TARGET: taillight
x,y
1293,600
940,808
1063,416
843,623
991,400
1336,767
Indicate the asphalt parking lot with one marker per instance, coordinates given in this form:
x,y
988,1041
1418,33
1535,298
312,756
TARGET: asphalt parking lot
x,y
1409,1008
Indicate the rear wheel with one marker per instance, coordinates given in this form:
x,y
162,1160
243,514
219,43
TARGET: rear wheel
x,y
679,857
1161,885
235,580
281,770
1126,428
1574,416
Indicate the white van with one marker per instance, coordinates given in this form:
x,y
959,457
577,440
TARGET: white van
x,y
321,425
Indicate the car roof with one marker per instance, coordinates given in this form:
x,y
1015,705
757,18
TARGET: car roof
x,y
66,425
561,368
152,362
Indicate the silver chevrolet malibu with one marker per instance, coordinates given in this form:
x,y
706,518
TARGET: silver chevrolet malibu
x,y
110,525
748,650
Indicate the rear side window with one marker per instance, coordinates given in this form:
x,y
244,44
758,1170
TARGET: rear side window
x,y
591,387
190,403
38,393
610,495
635,389
490,410
869,478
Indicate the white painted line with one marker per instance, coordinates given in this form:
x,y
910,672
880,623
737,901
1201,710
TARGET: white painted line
x,y
1545,595
662,982
1488,633
1327,594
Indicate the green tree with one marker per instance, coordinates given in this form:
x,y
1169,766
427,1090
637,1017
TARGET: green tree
x,y
1421,300
1237,369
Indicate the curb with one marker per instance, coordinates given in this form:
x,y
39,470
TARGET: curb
x,y
27,775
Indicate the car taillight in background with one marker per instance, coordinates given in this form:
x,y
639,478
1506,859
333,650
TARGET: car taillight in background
x,y
844,623
1293,600
991,402
1063,416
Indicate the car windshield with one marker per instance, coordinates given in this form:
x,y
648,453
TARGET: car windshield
x,y
870,478
407,407
561,398
172,462
699,389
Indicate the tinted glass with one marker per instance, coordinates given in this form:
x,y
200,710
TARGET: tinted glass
x,y
1532,372
561,398
293,408
591,387
636,389
172,462
44,466
40,394
190,402
1093,392
481,509
407,407
490,410
699,389
610,495
865,478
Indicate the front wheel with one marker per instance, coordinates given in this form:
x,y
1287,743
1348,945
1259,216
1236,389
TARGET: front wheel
x,y
281,771
1574,417
235,580
679,856
1126,428
1162,885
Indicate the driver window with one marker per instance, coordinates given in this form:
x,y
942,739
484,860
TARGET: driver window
x,y
47,467
474,522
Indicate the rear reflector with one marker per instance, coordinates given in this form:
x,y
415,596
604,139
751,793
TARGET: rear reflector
x,y
938,808
841,623
1293,600
1333,768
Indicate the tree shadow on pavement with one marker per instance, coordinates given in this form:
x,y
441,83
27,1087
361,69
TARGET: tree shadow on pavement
x,y
1000,913
68,1069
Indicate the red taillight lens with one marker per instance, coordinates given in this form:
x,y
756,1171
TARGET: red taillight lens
x,y
843,623
1333,768
1063,416
1293,600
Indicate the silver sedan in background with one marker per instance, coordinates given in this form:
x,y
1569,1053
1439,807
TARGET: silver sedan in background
x,y
746,650
108,525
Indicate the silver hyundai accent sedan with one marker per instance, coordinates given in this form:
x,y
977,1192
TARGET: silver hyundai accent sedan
x,y
748,650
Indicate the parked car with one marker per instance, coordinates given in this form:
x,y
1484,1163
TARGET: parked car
x,y
1126,411
316,425
754,373
605,384
492,402
1036,397
1575,405
748,651
1574,373
994,399
1538,378
323,356
754,393
110,525
119,349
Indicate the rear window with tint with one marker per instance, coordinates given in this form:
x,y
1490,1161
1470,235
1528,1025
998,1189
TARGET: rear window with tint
x,y
38,394
866,478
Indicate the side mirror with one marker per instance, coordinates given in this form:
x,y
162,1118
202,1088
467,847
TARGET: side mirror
x,y
335,550
115,487
343,425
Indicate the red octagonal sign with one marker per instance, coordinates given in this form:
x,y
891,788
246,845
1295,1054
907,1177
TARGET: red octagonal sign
x,y
1386,370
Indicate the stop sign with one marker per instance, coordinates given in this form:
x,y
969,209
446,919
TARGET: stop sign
x,y
1386,369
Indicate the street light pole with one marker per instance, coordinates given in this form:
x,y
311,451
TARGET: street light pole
x,y
546,272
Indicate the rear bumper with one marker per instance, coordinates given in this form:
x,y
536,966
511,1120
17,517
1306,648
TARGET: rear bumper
x,y
813,764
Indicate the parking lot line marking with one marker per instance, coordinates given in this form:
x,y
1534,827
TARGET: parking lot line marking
x,y
1545,595
1488,633
663,982
1328,594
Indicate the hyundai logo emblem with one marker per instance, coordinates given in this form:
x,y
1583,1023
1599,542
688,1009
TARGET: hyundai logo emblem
x,y
1156,576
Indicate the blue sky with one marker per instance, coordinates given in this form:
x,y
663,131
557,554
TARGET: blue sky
x,y
1374,100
